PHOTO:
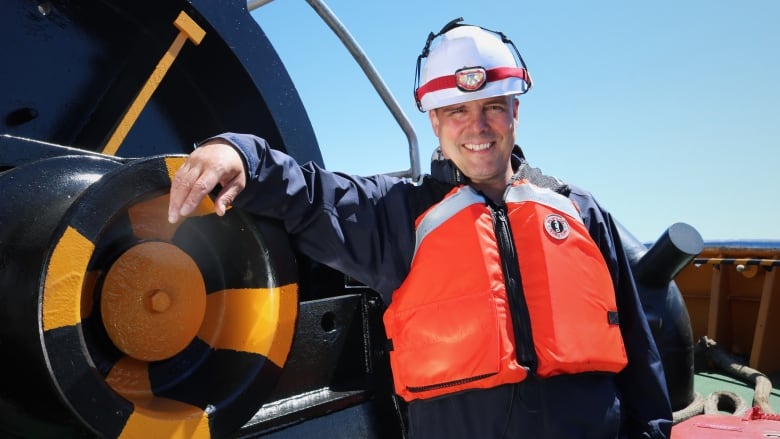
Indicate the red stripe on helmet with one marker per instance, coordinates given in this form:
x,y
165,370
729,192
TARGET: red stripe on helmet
x,y
445,82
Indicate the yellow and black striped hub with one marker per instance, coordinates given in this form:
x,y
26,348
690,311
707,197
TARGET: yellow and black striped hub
x,y
159,330
154,312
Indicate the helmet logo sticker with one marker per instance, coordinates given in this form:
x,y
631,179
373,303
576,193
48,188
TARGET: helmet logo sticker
x,y
556,226
470,78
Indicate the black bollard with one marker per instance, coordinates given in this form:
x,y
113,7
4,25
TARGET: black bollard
x,y
673,250
654,270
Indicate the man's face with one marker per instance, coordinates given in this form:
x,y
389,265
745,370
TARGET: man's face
x,y
478,136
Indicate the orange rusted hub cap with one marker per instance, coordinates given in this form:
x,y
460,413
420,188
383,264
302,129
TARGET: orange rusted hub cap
x,y
153,301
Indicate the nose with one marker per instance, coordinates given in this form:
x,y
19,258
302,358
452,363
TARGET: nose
x,y
478,122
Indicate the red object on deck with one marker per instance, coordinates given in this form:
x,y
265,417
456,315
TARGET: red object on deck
x,y
754,424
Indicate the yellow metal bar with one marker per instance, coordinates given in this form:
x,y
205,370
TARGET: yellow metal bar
x,y
188,30
762,356
717,321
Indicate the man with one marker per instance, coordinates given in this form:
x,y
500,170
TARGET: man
x,y
512,310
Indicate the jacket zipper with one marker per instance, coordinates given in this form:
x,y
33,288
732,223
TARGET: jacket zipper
x,y
521,318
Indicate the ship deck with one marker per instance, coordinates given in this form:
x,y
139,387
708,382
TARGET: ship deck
x,y
705,383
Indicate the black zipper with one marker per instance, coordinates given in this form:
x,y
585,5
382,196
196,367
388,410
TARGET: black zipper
x,y
448,383
521,319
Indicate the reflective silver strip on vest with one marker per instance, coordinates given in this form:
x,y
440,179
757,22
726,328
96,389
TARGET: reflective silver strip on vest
x,y
446,209
547,197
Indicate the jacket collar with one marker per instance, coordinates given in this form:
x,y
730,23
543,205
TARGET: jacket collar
x,y
443,169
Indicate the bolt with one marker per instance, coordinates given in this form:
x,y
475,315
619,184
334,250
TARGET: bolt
x,y
160,301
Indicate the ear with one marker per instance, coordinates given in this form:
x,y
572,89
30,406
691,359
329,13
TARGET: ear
x,y
516,108
434,121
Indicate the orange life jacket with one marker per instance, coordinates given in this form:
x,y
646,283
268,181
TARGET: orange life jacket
x,y
451,323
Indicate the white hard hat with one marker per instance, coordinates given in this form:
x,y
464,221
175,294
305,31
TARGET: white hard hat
x,y
469,63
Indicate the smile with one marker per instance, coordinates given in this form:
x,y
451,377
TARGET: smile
x,y
477,146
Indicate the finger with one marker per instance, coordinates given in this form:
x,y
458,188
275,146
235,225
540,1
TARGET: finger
x,y
203,182
228,195
180,188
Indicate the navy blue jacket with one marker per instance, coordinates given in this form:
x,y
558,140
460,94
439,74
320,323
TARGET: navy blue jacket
x,y
364,227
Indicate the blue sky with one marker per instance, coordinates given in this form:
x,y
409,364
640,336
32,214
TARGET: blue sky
x,y
667,111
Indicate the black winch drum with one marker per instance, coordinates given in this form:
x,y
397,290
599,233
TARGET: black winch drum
x,y
100,283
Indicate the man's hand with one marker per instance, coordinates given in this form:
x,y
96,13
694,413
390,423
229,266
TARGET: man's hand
x,y
214,162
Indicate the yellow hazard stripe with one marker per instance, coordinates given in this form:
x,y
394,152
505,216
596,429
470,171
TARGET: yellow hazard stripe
x,y
65,279
255,320
167,418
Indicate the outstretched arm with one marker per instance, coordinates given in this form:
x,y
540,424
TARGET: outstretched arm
x,y
361,226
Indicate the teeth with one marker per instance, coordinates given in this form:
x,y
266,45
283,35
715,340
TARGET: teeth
x,y
477,146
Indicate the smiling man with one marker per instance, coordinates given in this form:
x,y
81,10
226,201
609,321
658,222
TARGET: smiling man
x,y
512,311
478,137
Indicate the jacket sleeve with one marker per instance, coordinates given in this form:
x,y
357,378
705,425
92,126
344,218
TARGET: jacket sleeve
x,y
645,398
357,225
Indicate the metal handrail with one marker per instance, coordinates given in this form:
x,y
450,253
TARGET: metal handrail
x,y
738,261
373,76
